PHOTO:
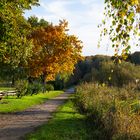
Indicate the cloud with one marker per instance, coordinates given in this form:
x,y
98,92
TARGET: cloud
x,y
56,8
83,17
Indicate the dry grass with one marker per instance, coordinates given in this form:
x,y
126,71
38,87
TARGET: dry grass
x,y
114,110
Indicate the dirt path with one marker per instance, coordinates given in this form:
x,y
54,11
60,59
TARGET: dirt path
x,y
15,126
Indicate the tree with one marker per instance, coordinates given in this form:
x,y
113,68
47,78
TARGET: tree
x,y
35,22
14,46
10,74
135,58
54,51
15,49
124,18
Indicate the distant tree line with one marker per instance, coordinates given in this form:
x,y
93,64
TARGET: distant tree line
x,y
102,69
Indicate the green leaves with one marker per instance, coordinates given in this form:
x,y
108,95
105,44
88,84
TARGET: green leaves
x,y
14,29
124,19
35,22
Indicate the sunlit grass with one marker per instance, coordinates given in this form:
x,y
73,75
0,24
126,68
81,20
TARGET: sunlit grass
x,y
12,104
6,88
67,124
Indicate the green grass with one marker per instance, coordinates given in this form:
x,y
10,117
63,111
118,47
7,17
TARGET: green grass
x,y
12,104
6,88
67,124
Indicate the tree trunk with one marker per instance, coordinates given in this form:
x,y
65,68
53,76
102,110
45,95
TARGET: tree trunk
x,y
13,81
44,81
30,80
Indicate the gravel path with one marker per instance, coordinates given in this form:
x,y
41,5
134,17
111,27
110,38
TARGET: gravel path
x,y
15,126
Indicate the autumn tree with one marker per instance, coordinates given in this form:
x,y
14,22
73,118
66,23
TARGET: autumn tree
x,y
54,51
122,23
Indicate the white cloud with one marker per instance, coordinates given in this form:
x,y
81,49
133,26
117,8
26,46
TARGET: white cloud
x,y
83,17
83,20
88,2
56,8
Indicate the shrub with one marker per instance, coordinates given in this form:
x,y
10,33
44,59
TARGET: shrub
x,y
114,111
30,89
21,88
34,88
49,87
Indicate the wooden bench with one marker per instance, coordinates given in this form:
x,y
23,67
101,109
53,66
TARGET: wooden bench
x,y
1,95
7,93
11,93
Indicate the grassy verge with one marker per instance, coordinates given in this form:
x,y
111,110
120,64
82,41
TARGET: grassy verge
x,y
113,112
6,88
67,124
12,104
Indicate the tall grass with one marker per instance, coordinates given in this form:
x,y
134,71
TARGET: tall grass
x,y
114,112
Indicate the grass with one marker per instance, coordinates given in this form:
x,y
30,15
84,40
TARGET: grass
x,y
67,124
113,112
12,104
6,88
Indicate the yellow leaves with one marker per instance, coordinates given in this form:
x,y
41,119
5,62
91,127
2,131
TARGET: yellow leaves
x,y
50,77
109,78
103,85
122,13
135,2
119,61
125,24
138,7
124,54
54,51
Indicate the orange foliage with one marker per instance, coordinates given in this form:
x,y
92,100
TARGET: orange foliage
x,y
54,51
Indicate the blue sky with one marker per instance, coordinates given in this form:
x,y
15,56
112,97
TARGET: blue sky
x,y
83,17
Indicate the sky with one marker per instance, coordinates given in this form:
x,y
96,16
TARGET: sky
x,y
83,16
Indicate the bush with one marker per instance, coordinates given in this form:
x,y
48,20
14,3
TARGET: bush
x,y
34,88
49,87
113,111
21,88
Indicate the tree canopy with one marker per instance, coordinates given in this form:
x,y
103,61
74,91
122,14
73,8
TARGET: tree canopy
x,y
14,28
35,22
37,45
54,51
